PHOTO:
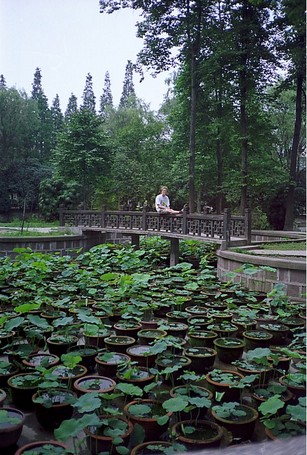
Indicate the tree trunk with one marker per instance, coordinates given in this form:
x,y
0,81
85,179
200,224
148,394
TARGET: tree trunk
x,y
192,142
289,217
243,82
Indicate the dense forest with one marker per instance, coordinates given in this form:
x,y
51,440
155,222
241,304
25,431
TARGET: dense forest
x,y
230,132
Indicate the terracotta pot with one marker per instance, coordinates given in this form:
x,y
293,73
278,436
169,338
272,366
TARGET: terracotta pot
x,y
97,340
142,355
202,358
100,384
10,432
87,353
22,394
119,343
151,447
241,428
67,376
41,359
258,398
192,391
50,417
109,367
228,349
280,332
98,442
148,421
121,328
58,347
40,444
298,390
256,339
206,434
147,336
172,361
143,378
226,387
2,397
202,338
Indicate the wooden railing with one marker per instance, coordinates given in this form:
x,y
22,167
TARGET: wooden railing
x,y
224,227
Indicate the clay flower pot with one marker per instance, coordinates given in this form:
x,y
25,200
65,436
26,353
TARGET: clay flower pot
x,y
146,413
241,427
11,424
229,349
108,362
200,434
100,384
202,358
119,343
40,445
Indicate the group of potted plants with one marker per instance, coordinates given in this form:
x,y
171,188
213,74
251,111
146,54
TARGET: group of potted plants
x,y
115,355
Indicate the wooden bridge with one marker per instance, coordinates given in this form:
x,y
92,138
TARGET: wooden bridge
x,y
226,230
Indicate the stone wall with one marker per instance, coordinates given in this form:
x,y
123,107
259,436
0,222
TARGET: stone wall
x,y
290,271
61,244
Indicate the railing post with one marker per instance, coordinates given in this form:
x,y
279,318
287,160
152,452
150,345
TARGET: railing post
x,y
184,222
226,229
102,219
144,219
248,226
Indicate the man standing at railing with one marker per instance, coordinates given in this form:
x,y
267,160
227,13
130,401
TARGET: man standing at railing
x,y
163,203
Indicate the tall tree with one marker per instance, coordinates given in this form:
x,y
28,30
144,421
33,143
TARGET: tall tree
x,y
295,39
106,100
82,154
56,114
72,106
2,82
128,97
89,99
172,33
44,136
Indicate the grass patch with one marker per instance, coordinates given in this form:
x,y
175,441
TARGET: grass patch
x,y
32,223
284,246
26,233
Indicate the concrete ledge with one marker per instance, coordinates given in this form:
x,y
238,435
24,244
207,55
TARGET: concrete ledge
x,y
291,272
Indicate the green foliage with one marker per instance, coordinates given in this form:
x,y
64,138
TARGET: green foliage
x,y
82,153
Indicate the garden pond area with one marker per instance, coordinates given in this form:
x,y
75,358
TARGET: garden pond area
x,y
113,351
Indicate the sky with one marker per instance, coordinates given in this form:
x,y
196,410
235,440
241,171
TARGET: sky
x,y
67,39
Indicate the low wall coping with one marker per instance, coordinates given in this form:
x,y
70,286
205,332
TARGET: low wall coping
x,y
263,260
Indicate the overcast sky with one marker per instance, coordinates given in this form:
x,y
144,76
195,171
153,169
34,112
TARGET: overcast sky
x,y
67,39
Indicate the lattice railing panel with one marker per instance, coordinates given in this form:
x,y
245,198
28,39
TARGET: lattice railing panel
x,y
237,227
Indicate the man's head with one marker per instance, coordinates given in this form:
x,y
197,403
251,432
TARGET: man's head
x,y
164,190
